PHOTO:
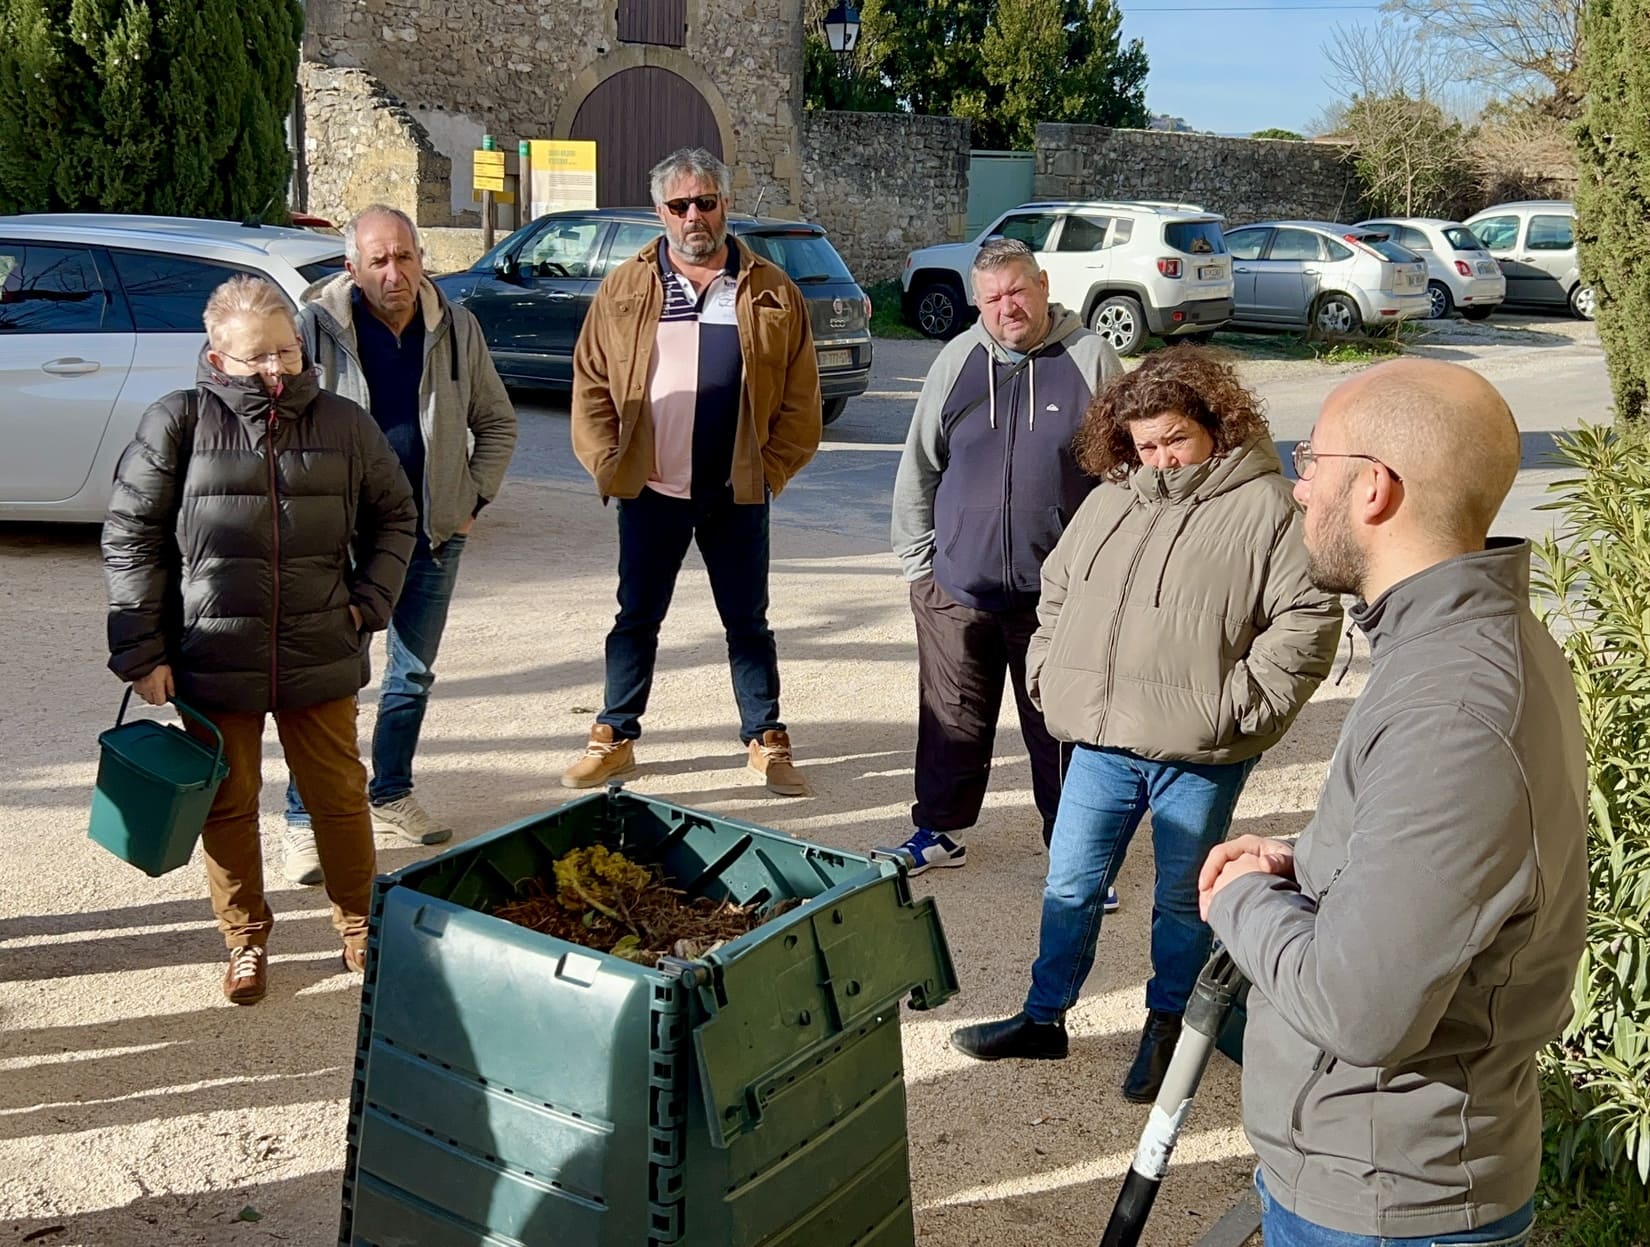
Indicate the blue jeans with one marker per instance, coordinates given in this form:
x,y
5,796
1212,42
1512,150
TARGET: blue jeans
x,y
411,642
1282,1228
1106,794
654,533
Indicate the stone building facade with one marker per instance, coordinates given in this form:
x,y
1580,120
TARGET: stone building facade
x,y
638,76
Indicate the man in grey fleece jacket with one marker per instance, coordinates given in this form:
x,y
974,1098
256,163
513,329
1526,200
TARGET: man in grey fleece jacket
x,y
1416,949
382,335
986,485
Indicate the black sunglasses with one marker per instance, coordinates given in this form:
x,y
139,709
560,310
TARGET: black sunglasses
x,y
705,203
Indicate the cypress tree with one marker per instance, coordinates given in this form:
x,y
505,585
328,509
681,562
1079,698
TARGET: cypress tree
x,y
1613,196
170,106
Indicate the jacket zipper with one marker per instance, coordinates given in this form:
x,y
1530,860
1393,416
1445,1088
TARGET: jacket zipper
x,y
1117,621
1008,490
275,526
1321,1066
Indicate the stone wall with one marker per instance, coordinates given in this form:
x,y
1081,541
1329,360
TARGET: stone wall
x,y
361,146
1242,179
884,184
521,68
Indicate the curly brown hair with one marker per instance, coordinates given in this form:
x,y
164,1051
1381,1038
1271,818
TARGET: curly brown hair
x,y
1188,379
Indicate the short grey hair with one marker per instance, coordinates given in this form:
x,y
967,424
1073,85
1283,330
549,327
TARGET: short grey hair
x,y
1001,252
690,162
352,251
243,295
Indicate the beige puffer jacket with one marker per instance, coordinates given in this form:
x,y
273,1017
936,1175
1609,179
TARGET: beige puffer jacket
x,y
1177,620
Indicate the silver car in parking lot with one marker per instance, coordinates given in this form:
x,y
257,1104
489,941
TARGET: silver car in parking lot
x,y
1535,241
1462,275
1329,278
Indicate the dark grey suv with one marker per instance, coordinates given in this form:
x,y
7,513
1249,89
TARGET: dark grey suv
x,y
532,290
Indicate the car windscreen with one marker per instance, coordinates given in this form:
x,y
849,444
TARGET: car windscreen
x,y
1195,237
1463,239
322,268
1386,248
807,257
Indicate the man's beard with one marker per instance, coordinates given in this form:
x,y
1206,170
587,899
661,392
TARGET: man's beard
x,y
1337,565
697,246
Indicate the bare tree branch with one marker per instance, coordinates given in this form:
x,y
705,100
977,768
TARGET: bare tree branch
x,y
1531,47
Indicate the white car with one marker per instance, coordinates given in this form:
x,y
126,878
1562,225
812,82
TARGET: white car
x,y
1462,275
1323,277
1535,241
1128,268
100,315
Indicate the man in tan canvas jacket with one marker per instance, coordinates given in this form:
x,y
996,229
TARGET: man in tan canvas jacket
x,y
695,401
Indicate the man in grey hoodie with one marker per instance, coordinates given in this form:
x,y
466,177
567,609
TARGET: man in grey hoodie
x,y
383,336
986,485
1416,949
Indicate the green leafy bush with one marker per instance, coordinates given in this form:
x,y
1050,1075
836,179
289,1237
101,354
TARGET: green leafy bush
x,y
1592,581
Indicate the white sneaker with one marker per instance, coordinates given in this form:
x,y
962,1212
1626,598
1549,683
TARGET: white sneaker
x,y
409,820
303,863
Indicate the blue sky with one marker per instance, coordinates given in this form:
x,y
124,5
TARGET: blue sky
x,y
1234,71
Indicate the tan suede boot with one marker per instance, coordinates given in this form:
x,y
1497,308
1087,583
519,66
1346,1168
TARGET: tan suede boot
x,y
604,758
770,757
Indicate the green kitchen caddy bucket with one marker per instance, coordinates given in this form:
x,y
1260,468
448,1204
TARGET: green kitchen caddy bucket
x,y
155,785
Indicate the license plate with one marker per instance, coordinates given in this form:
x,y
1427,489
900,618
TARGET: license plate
x,y
1488,268
836,359
1210,272
1415,281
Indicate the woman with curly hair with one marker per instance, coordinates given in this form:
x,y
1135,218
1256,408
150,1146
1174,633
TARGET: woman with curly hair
x,y
1179,635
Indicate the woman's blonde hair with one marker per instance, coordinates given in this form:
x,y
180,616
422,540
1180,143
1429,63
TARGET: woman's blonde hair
x,y
244,295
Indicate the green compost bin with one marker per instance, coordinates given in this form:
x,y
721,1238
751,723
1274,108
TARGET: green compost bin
x,y
514,1088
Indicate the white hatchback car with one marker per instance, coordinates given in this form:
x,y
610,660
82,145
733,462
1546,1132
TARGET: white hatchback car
x,y
1461,273
100,315
1327,278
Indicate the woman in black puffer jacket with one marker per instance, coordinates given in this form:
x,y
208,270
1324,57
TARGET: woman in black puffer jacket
x,y
258,532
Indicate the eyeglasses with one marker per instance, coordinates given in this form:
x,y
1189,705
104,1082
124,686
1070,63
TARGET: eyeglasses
x,y
705,203
288,357
1306,461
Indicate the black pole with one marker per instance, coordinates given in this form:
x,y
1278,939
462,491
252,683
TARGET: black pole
x,y
1217,991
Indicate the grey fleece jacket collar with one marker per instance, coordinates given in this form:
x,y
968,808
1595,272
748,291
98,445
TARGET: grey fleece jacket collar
x,y
1478,585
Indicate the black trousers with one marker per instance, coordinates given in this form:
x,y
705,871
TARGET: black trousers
x,y
963,657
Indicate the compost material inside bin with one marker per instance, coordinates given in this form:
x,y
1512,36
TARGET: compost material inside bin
x,y
603,900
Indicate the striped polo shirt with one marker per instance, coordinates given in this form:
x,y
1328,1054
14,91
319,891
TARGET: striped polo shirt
x,y
694,381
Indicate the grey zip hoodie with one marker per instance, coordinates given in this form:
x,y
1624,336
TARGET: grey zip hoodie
x,y
987,481
465,414
1424,954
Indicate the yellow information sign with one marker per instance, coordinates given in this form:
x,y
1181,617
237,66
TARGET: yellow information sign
x,y
564,175
489,171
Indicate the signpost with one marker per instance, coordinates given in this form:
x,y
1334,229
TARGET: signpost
x,y
489,180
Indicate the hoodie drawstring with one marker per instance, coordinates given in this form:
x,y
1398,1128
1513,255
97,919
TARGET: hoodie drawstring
x,y
1031,374
1347,665
991,387
1163,567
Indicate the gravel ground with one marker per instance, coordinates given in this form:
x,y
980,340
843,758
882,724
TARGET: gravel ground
x,y
138,1108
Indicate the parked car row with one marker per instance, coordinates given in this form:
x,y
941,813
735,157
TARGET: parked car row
x,y
1132,268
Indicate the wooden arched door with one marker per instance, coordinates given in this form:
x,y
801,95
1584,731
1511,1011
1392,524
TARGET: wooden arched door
x,y
637,117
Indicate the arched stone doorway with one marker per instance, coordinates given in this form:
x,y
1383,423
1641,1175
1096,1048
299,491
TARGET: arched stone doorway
x,y
636,117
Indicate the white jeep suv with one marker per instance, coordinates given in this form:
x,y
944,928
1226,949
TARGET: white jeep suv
x,y
100,315
1128,268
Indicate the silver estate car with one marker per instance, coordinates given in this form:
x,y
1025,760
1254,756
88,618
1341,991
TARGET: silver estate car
x,y
1329,278
1535,241
1461,273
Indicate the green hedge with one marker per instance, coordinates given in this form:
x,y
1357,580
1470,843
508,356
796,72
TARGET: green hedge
x,y
1592,581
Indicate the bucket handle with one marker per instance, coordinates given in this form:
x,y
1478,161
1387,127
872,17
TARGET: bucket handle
x,y
194,714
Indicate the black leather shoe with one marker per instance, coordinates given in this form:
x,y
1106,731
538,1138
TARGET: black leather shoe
x,y
1145,1077
1017,1038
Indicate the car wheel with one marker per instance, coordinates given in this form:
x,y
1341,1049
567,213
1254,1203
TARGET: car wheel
x,y
1440,305
832,410
1121,321
1583,303
1478,313
939,310
1336,315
